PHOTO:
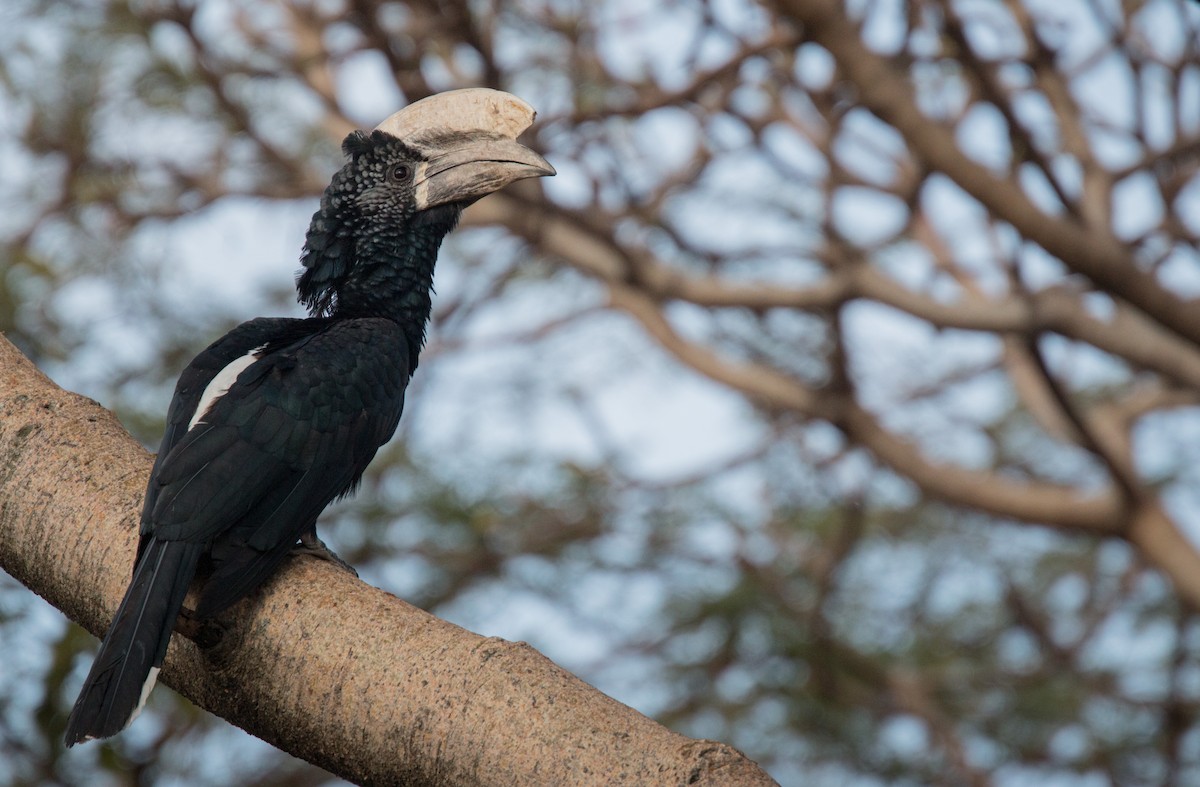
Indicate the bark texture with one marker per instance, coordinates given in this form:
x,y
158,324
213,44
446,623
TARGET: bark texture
x,y
319,664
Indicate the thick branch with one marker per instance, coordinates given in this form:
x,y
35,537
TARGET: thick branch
x,y
319,664
1029,501
1166,548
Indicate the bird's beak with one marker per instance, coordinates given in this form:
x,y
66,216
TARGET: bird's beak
x,y
475,167
469,141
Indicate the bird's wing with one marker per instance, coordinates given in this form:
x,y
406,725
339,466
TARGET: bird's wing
x,y
195,379
295,430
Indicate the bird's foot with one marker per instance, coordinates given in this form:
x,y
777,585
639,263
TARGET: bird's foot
x,y
311,544
205,632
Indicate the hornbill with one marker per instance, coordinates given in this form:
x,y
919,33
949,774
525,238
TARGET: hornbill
x,y
280,416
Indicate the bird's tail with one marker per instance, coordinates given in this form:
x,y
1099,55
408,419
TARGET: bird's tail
x,y
136,643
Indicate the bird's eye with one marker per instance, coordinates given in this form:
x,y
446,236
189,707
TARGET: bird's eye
x,y
400,172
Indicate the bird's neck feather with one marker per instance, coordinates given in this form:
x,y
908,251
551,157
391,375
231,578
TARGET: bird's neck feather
x,y
392,274
392,278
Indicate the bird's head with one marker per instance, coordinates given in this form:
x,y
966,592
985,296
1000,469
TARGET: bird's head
x,y
406,182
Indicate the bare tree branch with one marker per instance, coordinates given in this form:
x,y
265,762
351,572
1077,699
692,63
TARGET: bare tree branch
x,y
1098,256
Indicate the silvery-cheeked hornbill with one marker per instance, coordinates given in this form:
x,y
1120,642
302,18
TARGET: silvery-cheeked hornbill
x,y
280,416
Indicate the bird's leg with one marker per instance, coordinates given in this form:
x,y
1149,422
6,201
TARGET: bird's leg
x,y
205,632
311,544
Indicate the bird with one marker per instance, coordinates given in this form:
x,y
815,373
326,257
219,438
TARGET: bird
x,y
281,416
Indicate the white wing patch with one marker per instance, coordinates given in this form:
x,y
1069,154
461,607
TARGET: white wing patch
x,y
221,384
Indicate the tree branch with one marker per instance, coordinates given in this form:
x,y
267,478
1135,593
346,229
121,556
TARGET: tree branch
x,y
558,232
318,663
881,88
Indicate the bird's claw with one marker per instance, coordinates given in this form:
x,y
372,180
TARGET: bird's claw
x,y
311,544
205,632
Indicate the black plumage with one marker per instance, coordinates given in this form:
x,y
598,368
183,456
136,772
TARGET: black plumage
x,y
279,417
